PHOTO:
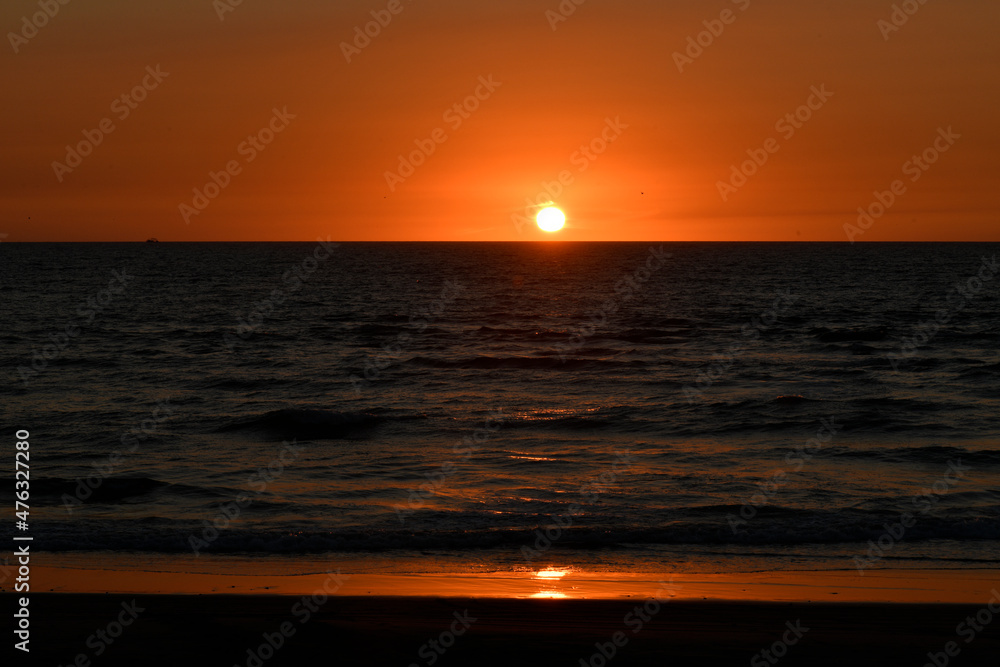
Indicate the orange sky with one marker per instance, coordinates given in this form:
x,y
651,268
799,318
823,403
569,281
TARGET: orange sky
x,y
325,173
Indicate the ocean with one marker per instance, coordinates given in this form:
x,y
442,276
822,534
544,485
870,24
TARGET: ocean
x,y
504,407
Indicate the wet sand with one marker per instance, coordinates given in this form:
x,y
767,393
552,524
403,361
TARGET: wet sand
x,y
137,617
118,575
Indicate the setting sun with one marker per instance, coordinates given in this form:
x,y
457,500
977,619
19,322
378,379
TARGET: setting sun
x,y
551,219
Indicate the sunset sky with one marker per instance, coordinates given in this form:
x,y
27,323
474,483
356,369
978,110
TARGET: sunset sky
x,y
608,69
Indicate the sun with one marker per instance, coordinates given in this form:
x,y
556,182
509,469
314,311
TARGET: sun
x,y
551,219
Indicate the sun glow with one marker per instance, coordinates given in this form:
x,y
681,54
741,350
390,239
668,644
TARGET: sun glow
x,y
551,574
551,219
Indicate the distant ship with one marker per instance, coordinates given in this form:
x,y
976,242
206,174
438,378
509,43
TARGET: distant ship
x,y
153,240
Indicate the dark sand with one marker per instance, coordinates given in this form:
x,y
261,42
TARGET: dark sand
x,y
218,630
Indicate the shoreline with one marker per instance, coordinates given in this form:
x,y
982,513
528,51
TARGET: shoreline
x,y
959,586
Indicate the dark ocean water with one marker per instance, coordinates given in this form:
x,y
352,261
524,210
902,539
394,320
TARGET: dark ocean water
x,y
441,405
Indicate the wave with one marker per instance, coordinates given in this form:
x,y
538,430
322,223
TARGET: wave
x,y
825,335
92,488
620,417
931,454
533,334
307,423
991,371
794,399
772,526
652,336
524,363
242,384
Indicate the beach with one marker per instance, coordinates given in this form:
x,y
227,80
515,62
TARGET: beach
x,y
689,619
